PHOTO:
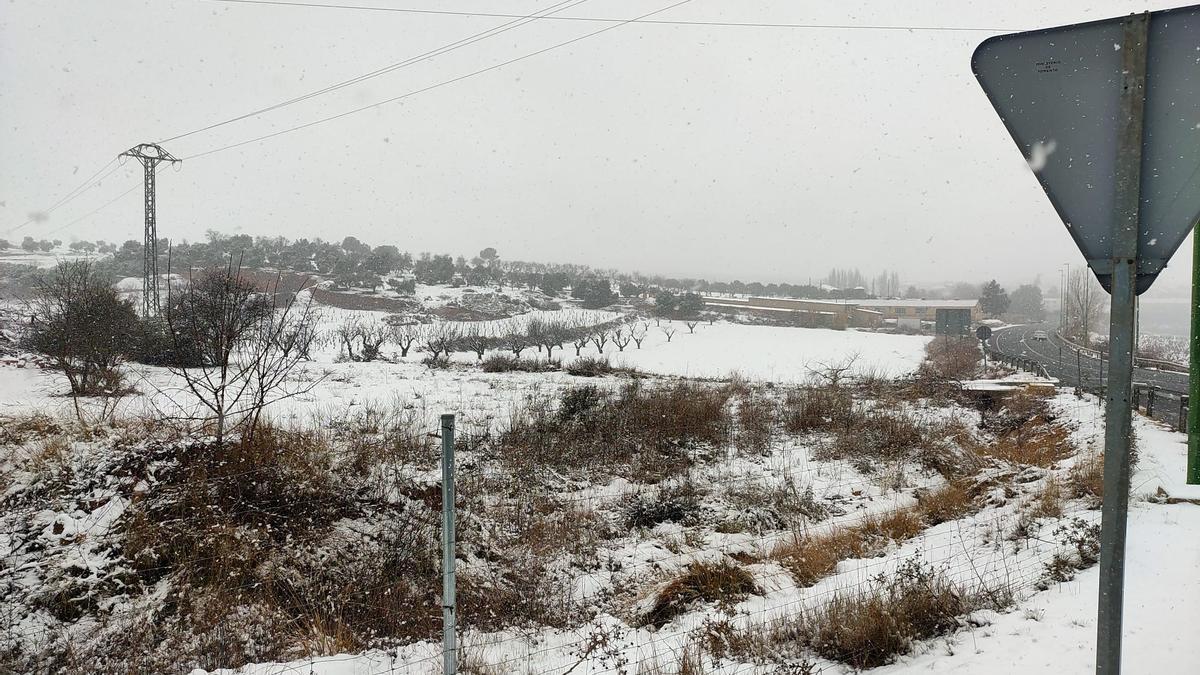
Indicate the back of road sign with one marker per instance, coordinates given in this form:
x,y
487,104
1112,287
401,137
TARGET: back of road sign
x,y
1058,92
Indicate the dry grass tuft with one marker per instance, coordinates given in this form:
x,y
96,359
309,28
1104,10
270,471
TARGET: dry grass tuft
x,y
1035,442
1085,480
812,557
1049,502
870,628
724,582
817,409
949,502
756,417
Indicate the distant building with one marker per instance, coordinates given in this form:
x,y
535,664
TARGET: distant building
x,y
834,314
921,310
839,314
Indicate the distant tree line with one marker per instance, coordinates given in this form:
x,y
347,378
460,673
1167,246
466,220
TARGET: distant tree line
x,y
352,263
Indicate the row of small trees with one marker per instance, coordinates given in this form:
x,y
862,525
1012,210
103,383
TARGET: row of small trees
x,y
362,339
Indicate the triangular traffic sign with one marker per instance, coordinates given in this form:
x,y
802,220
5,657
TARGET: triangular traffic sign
x,y
1058,92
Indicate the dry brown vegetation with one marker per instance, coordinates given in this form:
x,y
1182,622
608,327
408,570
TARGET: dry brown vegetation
x,y
723,582
1085,480
648,432
870,628
812,557
951,358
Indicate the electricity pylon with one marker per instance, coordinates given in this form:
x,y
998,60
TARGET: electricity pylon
x,y
150,155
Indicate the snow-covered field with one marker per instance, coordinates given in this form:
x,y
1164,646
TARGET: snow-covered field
x,y
1048,631
769,354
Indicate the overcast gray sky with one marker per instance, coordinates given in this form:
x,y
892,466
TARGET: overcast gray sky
x,y
717,151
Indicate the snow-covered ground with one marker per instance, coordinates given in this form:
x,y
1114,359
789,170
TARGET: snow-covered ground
x,y
1049,631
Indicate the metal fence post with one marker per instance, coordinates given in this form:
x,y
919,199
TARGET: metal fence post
x,y
449,632
1150,402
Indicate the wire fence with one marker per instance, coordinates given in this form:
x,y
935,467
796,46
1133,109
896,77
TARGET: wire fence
x,y
994,545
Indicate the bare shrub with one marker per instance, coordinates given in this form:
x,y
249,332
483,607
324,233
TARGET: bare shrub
x,y
648,431
951,358
876,435
756,418
773,506
814,409
724,582
78,321
197,520
503,363
671,503
597,366
1082,540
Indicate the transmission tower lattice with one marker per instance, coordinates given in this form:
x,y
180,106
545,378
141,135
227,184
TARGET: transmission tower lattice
x,y
150,155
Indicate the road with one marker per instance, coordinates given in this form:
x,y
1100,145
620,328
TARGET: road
x,y
1079,369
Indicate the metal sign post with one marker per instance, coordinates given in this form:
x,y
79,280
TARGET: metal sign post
x,y
1105,113
1117,416
1193,411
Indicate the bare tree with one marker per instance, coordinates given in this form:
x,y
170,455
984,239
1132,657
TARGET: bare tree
x,y
245,339
668,330
475,338
1085,306
621,337
691,325
439,339
347,333
362,339
638,331
373,335
600,336
514,339
404,335
833,372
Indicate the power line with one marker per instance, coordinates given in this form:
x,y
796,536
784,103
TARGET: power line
x,y
435,85
96,210
521,20
733,24
88,183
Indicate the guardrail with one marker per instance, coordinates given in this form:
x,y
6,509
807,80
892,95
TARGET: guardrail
x,y
1147,398
1138,361
1018,362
